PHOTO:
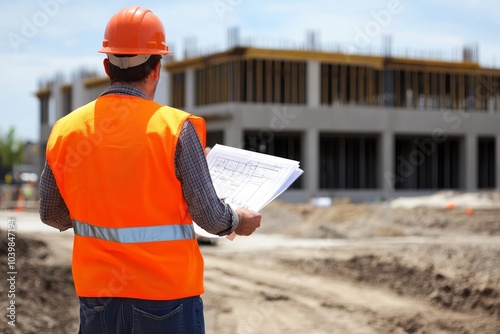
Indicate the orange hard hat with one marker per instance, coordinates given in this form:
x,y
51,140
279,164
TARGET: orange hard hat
x,y
134,31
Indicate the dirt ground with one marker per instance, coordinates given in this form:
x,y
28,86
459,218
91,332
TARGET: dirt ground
x,y
349,268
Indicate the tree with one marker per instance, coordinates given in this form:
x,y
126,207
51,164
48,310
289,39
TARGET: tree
x,y
11,149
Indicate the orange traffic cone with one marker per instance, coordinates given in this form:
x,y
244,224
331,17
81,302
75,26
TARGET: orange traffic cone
x,y
450,205
20,202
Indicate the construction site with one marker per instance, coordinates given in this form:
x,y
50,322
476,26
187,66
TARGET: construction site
x,y
364,126
393,228
411,265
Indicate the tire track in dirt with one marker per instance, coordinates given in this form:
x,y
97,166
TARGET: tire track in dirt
x,y
246,296
264,305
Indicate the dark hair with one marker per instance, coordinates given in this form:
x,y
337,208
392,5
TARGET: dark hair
x,y
132,74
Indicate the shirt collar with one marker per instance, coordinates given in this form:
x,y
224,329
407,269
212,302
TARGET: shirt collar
x,y
125,90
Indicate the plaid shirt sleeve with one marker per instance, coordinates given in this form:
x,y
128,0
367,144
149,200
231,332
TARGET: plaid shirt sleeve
x,y
205,207
53,209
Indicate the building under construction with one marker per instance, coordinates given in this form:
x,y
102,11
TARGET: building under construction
x,y
365,127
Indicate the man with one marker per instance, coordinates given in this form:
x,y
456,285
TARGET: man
x,y
130,176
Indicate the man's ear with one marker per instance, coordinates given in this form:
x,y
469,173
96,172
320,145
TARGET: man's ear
x,y
105,63
157,70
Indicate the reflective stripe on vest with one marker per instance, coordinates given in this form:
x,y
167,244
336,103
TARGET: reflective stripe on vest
x,y
135,234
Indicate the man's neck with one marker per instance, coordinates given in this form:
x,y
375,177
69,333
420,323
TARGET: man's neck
x,y
137,85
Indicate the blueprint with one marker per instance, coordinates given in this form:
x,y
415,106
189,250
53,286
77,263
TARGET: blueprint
x,y
246,179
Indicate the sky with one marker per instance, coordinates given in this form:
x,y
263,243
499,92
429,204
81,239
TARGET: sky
x,y
41,38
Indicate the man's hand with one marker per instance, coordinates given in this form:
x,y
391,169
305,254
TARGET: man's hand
x,y
249,221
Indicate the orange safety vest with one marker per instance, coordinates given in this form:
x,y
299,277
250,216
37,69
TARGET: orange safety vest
x,y
113,161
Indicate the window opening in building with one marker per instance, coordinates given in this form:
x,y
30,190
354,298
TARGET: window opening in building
x,y
486,164
215,137
424,163
178,90
252,80
348,161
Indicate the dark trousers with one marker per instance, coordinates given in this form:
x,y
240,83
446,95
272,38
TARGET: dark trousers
x,y
137,316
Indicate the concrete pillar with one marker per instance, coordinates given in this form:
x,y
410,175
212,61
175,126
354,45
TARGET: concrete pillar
x,y
58,105
313,83
233,130
311,163
386,162
470,164
189,88
80,94
162,94
233,136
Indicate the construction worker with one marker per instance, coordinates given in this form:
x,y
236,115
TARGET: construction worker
x,y
129,176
